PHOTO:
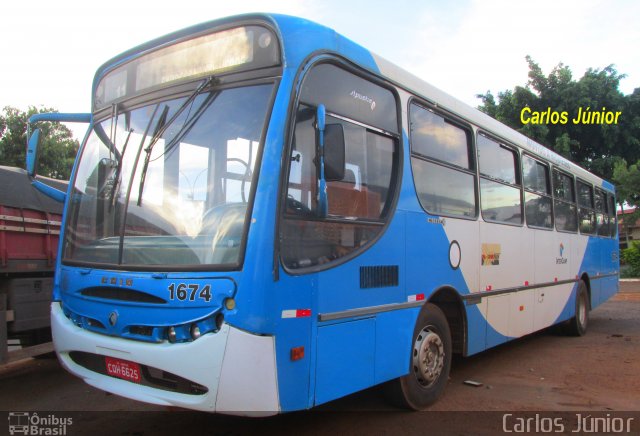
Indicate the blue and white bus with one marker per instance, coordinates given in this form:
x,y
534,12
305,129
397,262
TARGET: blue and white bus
x,y
265,216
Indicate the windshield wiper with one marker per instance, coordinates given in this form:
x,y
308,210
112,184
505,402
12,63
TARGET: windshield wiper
x,y
117,176
162,126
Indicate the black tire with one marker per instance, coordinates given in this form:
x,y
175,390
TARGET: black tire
x,y
429,362
577,326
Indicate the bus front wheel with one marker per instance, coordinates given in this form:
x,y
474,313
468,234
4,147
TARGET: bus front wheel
x,y
430,362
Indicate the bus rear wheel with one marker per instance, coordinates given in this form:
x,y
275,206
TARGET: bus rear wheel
x,y
577,326
430,362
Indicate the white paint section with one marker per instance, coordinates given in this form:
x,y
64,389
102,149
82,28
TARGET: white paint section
x,y
498,313
199,361
527,256
549,304
466,233
246,362
521,313
248,383
514,264
289,313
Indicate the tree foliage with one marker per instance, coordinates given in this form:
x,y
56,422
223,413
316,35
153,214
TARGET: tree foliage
x,y
57,149
627,180
597,147
631,257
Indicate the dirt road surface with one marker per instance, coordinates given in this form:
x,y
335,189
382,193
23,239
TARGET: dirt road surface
x,y
541,376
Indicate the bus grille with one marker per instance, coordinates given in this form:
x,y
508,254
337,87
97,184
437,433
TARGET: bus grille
x,y
120,294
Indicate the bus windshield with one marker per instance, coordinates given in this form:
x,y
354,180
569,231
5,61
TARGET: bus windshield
x,y
168,183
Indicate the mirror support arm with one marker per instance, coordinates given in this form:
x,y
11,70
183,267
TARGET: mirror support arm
x,y
323,201
33,141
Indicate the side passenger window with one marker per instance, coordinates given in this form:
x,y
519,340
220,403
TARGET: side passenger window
x,y
443,164
586,211
566,215
537,193
499,182
602,216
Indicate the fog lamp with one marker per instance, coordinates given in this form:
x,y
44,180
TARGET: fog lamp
x,y
195,331
171,333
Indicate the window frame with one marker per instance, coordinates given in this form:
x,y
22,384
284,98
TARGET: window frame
x,y
555,198
389,204
517,172
415,102
591,209
604,211
548,194
613,226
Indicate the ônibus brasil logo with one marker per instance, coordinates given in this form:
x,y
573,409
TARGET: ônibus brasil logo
x,y
28,423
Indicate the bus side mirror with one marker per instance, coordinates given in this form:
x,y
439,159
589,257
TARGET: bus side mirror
x,y
334,152
331,157
32,152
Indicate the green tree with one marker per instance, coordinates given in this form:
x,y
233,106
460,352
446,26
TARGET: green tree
x,y
595,147
627,180
631,257
57,150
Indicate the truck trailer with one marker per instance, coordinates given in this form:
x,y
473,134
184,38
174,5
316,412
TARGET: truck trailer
x,y
29,232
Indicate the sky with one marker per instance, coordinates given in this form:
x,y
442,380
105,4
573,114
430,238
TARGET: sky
x,y
51,50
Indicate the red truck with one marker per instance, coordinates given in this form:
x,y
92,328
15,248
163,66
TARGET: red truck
x,y
29,232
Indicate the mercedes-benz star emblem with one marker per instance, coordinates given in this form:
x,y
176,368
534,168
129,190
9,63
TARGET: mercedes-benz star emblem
x,y
113,318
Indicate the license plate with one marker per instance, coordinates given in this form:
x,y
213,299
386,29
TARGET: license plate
x,y
123,369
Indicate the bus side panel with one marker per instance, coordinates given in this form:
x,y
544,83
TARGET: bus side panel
x,y
507,261
341,287
345,360
583,256
589,261
601,263
497,320
477,326
428,247
549,270
289,295
611,267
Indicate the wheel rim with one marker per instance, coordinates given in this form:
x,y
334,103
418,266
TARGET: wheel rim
x,y
582,311
428,356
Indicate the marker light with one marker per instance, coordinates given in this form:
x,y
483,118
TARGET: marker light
x,y
297,353
230,303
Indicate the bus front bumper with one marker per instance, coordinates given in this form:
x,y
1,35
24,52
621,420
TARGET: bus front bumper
x,y
237,368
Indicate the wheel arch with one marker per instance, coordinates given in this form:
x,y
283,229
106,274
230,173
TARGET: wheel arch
x,y
585,278
451,304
